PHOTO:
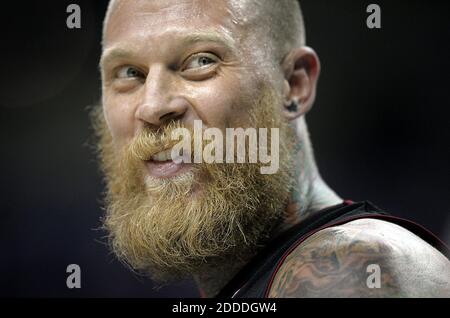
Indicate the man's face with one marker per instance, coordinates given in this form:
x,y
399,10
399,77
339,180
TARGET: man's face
x,y
164,65
185,59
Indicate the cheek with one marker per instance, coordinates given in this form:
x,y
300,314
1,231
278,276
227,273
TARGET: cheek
x,y
224,104
119,118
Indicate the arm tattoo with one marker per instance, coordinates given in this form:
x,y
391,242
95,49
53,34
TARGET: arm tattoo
x,y
334,263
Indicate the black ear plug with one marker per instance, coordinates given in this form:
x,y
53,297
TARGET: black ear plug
x,y
292,107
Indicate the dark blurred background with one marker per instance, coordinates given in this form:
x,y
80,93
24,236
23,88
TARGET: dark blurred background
x,y
380,127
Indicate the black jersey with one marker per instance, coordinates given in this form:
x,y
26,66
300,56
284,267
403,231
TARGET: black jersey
x,y
255,279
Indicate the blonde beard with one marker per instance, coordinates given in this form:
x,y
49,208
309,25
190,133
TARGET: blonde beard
x,y
165,229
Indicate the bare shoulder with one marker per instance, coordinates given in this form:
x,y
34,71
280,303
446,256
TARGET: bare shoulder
x,y
363,258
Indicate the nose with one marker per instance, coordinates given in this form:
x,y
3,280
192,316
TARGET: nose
x,y
159,105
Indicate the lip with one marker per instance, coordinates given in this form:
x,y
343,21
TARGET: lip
x,y
166,169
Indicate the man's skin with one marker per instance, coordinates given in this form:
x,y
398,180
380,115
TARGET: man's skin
x,y
150,44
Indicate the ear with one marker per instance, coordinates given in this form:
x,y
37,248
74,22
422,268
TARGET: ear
x,y
301,68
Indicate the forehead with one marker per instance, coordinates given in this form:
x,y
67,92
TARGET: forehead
x,y
143,18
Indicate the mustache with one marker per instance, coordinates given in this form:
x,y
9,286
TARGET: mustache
x,y
149,142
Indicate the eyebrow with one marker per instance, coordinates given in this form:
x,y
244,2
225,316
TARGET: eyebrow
x,y
120,51
223,39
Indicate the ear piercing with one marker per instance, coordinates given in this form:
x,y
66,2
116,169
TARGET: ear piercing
x,y
293,106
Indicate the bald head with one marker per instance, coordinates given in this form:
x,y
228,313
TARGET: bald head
x,y
281,21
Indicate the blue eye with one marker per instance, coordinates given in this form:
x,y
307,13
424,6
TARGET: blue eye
x,y
128,72
200,60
